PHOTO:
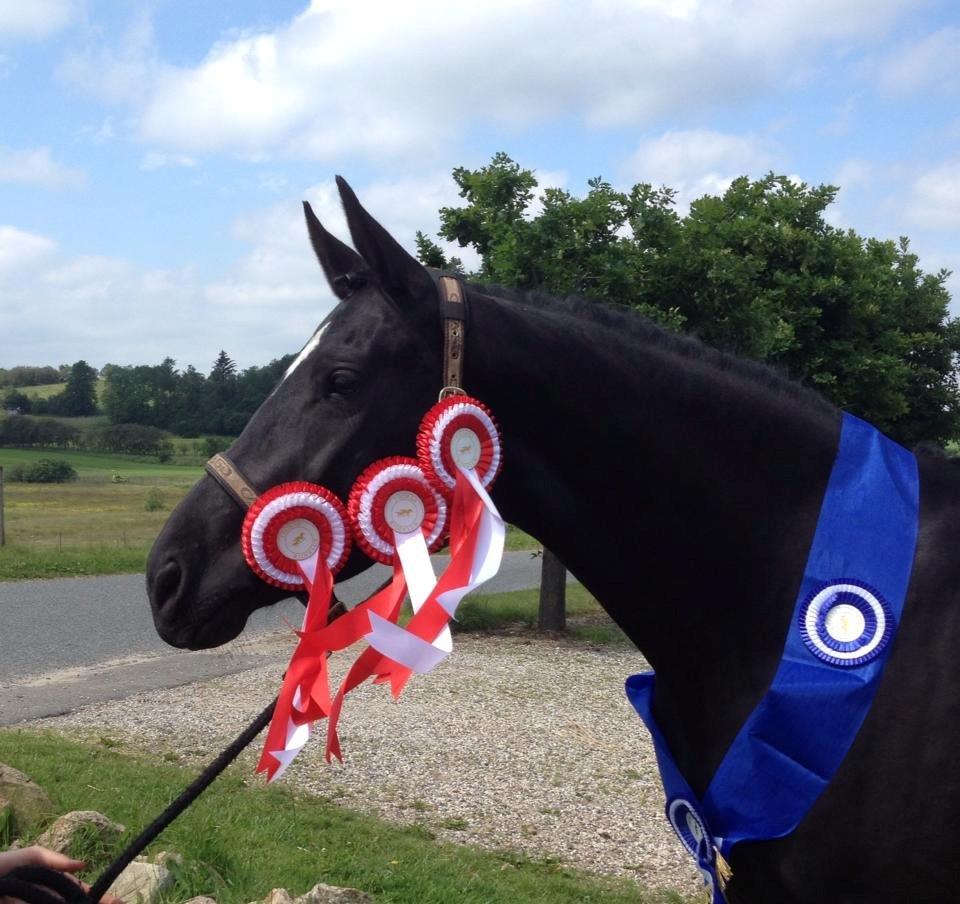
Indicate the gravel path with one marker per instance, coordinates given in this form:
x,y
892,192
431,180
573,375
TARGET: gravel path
x,y
518,742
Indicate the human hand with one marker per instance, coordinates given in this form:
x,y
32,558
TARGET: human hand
x,y
39,856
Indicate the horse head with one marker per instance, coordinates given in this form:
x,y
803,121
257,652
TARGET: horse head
x,y
354,394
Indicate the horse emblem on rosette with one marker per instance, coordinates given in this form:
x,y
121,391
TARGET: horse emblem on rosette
x,y
787,570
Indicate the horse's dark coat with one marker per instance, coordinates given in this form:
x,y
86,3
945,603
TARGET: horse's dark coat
x,y
680,486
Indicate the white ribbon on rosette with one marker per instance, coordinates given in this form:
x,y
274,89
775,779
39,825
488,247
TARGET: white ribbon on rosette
x,y
295,536
398,518
459,448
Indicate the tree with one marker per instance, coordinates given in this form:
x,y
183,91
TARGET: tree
x,y
17,401
79,397
757,271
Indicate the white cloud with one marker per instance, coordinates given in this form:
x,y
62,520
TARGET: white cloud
x,y
36,18
99,134
123,74
60,307
935,197
20,249
698,162
388,79
278,281
927,64
35,166
160,159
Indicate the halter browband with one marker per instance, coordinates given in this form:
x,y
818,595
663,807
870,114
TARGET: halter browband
x,y
453,309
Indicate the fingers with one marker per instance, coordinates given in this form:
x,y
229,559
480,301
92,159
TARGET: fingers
x,y
51,859
38,856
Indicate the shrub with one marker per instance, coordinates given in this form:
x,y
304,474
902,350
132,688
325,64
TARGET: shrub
x,y
154,501
49,470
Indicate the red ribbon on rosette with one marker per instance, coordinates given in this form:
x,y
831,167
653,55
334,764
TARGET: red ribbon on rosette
x,y
459,447
295,536
398,519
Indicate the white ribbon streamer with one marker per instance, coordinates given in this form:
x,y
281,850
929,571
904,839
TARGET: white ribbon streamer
x,y
489,551
400,645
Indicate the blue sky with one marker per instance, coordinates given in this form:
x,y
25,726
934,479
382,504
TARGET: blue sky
x,y
153,155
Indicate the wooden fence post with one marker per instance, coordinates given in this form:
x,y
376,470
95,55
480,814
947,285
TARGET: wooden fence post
x,y
552,615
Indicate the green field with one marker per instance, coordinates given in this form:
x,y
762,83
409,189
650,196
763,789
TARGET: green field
x,y
45,390
98,524
106,521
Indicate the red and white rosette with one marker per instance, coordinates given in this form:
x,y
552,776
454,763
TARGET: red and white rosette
x,y
459,434
296,536
398,518
460,451
288,529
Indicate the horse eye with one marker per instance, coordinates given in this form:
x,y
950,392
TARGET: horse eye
x,y
339,384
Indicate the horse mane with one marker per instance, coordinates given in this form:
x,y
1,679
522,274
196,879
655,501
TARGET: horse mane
x,y
622,321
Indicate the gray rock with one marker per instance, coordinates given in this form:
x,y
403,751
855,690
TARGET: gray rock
x,y
278,896
142,883
331,894
319,894
86,823
201,899
28,803
169,859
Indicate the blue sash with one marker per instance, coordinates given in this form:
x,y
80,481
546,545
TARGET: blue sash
x,y
847,610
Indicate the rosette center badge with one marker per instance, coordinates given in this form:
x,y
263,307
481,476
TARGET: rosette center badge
x,y
298,539
846,624
404,512
465,448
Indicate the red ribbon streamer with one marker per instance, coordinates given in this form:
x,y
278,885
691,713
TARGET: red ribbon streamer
x,y
430,620
387,605
305,672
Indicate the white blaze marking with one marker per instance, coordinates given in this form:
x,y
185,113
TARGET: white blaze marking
x,y
307,349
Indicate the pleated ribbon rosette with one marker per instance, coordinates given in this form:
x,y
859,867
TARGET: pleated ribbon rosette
x,y
296,536
400,510
459,447
460,454
398,518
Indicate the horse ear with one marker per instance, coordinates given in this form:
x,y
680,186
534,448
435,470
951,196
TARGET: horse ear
x,y
401,275
339,261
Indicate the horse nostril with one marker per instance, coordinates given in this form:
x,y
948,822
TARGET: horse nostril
x,y
166,586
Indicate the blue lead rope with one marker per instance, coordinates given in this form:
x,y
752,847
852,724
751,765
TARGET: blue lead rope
x,y
847,611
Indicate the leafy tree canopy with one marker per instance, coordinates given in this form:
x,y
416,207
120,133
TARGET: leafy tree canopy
x,y
756,271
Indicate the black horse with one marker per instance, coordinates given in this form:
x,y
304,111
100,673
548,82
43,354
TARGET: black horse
x,y
680,485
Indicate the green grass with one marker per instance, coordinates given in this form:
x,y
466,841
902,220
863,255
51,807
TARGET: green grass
x,y
96,466
43,391
20,563
586,619
239,841
517,540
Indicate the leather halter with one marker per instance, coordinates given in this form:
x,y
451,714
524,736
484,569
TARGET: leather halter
x,y
232,479
453,309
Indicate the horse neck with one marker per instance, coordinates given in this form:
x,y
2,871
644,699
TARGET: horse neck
x,y
679,488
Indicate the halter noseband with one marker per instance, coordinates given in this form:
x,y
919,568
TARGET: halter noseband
x,y
232,479
453,309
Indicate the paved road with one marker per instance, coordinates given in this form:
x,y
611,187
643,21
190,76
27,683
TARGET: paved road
x,y
67,643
